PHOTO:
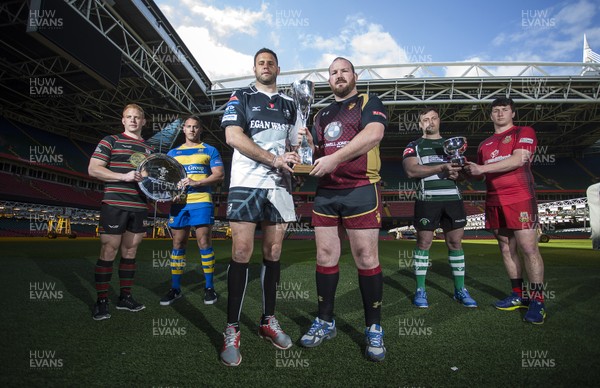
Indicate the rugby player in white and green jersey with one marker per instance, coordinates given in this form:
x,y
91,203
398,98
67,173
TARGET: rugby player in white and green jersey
x,y
438,204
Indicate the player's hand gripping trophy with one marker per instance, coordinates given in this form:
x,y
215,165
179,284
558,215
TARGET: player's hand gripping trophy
x,y
303,92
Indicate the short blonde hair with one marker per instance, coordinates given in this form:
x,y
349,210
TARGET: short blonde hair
x,y
136,107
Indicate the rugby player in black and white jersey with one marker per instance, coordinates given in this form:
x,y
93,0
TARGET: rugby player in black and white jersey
x,y
258,123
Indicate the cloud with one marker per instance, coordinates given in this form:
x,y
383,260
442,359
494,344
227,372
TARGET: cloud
x,y
216,60
228,21
547,34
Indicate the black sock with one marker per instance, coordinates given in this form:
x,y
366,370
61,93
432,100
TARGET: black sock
x,y
102,276
327,280
126,274
237,279
517,287
269,277
370,282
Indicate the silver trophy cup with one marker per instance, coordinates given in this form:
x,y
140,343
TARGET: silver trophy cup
x,y
161,176
303,93
454,148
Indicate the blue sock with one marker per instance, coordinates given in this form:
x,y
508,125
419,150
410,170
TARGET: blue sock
x,y
208,265
177,266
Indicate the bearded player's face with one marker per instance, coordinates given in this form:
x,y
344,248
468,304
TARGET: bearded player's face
x,y
342,79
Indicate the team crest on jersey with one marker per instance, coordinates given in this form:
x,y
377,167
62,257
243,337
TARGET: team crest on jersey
x,y
524,217
333,131
424,221
507,139
287,114
271,106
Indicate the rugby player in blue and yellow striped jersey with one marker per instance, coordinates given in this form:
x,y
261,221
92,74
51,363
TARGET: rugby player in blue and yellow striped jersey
x,y
204,168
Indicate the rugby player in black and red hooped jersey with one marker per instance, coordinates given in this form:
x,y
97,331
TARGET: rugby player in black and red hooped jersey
x,y
346,137
258,123
123,210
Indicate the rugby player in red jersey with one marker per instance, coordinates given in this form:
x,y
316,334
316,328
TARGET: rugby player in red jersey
x,y
504,159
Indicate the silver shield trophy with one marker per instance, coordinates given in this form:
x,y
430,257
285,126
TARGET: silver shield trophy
x,y
303,93
161,176
454,148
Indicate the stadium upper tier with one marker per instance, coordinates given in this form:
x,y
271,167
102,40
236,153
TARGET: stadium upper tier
x,y
35,149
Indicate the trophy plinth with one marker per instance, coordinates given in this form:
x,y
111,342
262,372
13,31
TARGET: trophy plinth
x,y
303,92
302,168
454,148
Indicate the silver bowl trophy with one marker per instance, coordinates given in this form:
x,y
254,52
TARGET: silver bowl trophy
x,y
454,148
161,176
303,93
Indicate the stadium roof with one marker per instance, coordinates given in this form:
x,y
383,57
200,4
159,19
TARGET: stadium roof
x,y
70,67
76,83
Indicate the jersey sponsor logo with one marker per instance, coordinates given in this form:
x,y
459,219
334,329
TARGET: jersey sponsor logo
x,y
233,99
287,114
269,125
193,169
507,139
424,221
256,109
524,217
125,146
229,118
351,106
378,113
333,131
113,226
271,106
526,140
408,151
229,110
490,143
494,154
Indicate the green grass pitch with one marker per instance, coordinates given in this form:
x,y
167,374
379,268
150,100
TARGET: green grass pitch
x,y
50,339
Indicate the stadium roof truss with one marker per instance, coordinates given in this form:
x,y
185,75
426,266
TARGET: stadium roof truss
x,y
561,100
156,71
